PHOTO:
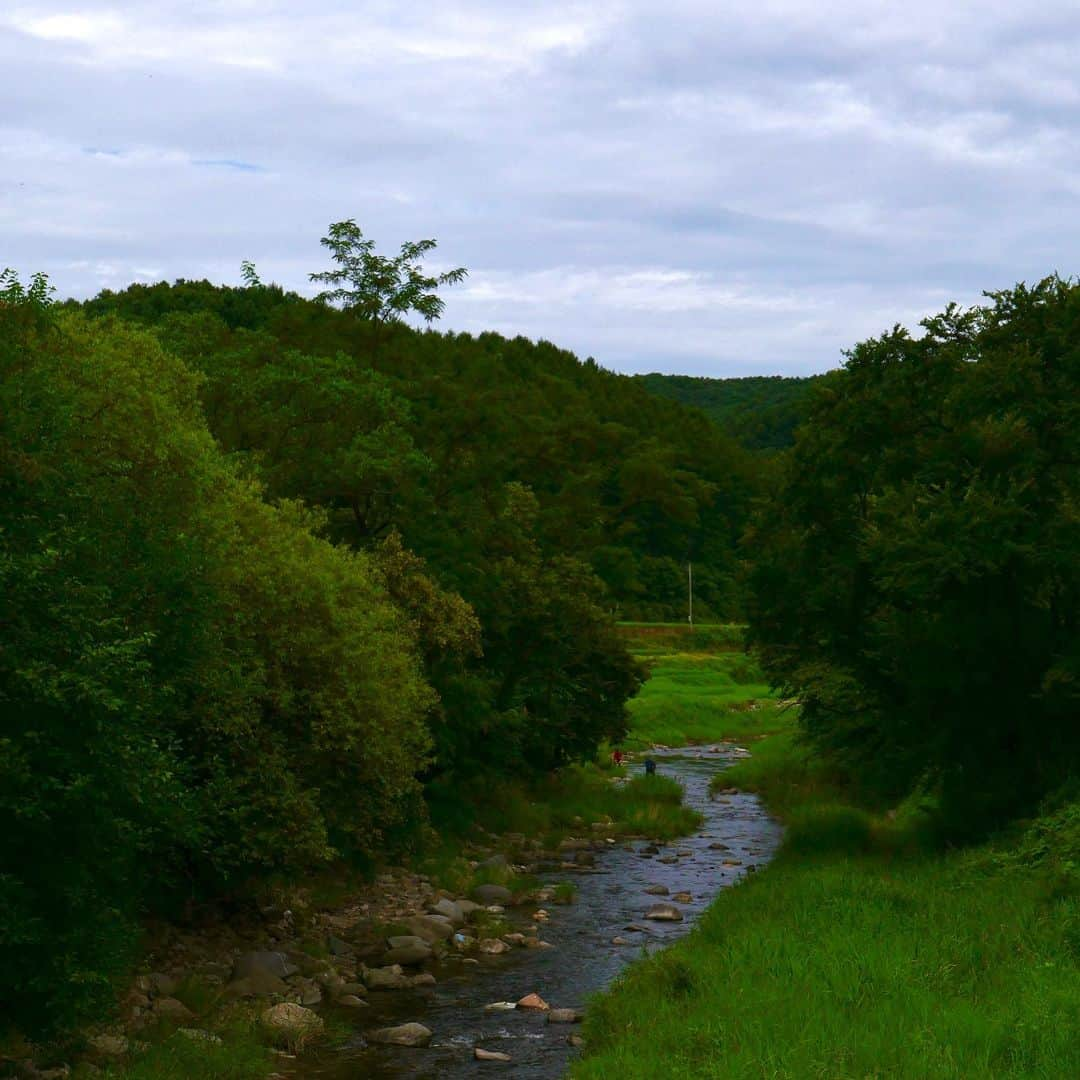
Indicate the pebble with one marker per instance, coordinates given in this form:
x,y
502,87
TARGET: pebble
x,y
533,1001
490,1055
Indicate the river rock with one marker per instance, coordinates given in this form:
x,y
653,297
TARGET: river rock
x,y
664,913
657,890
685,853
619,941
108,1046
719,847
386,978
493,946
163,984
575,1040
448,909
490,1055
514,939
668,860
649,849
533,1001
431,928
402,1035
403,941
408,955
338,947
574,843
564,1016
584,858
257,984
494,862
270,963
169,1008
500,1006
731,862
425,978
682,898
467,907
291,1019
492,894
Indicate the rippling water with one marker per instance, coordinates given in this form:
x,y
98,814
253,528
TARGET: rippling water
x,y
584,960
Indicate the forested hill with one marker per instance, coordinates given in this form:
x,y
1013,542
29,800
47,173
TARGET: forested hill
x,y
761,412
391,428
284,575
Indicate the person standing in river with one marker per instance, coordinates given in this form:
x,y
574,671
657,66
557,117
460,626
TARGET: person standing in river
x,y
650,767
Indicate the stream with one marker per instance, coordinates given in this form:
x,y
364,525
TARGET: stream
x,y
610,903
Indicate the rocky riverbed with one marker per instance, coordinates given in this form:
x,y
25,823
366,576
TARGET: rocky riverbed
x,y
427,984
630,896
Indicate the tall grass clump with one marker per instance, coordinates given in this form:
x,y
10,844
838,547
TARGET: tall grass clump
x,y
239,1056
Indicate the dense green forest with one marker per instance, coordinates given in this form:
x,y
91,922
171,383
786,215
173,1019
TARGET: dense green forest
x,y
275,568
760,411
916,581
277,575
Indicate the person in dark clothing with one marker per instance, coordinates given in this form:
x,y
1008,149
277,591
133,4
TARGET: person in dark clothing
x,y
650,767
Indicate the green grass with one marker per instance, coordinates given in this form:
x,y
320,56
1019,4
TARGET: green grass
x,y
241,1056
566,804
701,696
861,952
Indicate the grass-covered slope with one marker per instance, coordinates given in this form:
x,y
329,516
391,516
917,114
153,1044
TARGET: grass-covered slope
x,y
702,687
861,952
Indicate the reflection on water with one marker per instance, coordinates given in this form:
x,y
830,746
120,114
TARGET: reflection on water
x,y
610,899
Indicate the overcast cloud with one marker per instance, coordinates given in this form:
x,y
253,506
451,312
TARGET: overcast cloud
x,y
711,188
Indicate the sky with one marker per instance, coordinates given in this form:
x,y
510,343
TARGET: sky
x,y
710,188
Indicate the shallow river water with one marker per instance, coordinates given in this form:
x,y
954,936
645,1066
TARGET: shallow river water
x,y
610,899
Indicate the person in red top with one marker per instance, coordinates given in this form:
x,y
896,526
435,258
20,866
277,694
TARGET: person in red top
x,y
617,757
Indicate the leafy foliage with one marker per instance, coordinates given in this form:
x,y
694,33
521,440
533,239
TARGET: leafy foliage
x,y
195,689
761,412
377,287
919,581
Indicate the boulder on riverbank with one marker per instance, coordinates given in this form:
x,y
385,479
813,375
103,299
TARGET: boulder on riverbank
x,y
492,894
291,1023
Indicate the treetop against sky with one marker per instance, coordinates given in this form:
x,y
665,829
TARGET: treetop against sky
x,y
711,189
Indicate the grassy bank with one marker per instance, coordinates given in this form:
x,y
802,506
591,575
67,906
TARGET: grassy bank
x,y
860,952
517,819
702,687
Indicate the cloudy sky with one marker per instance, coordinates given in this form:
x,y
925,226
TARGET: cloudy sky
x,y
714,188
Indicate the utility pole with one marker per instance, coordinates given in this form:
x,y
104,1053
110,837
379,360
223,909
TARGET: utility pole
x,y
690,583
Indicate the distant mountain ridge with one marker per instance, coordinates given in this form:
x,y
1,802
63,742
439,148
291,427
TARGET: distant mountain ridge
x,y
760,411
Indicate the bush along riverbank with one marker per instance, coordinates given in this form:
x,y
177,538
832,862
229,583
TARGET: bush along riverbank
x,y
864,950
240,995
197,1007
